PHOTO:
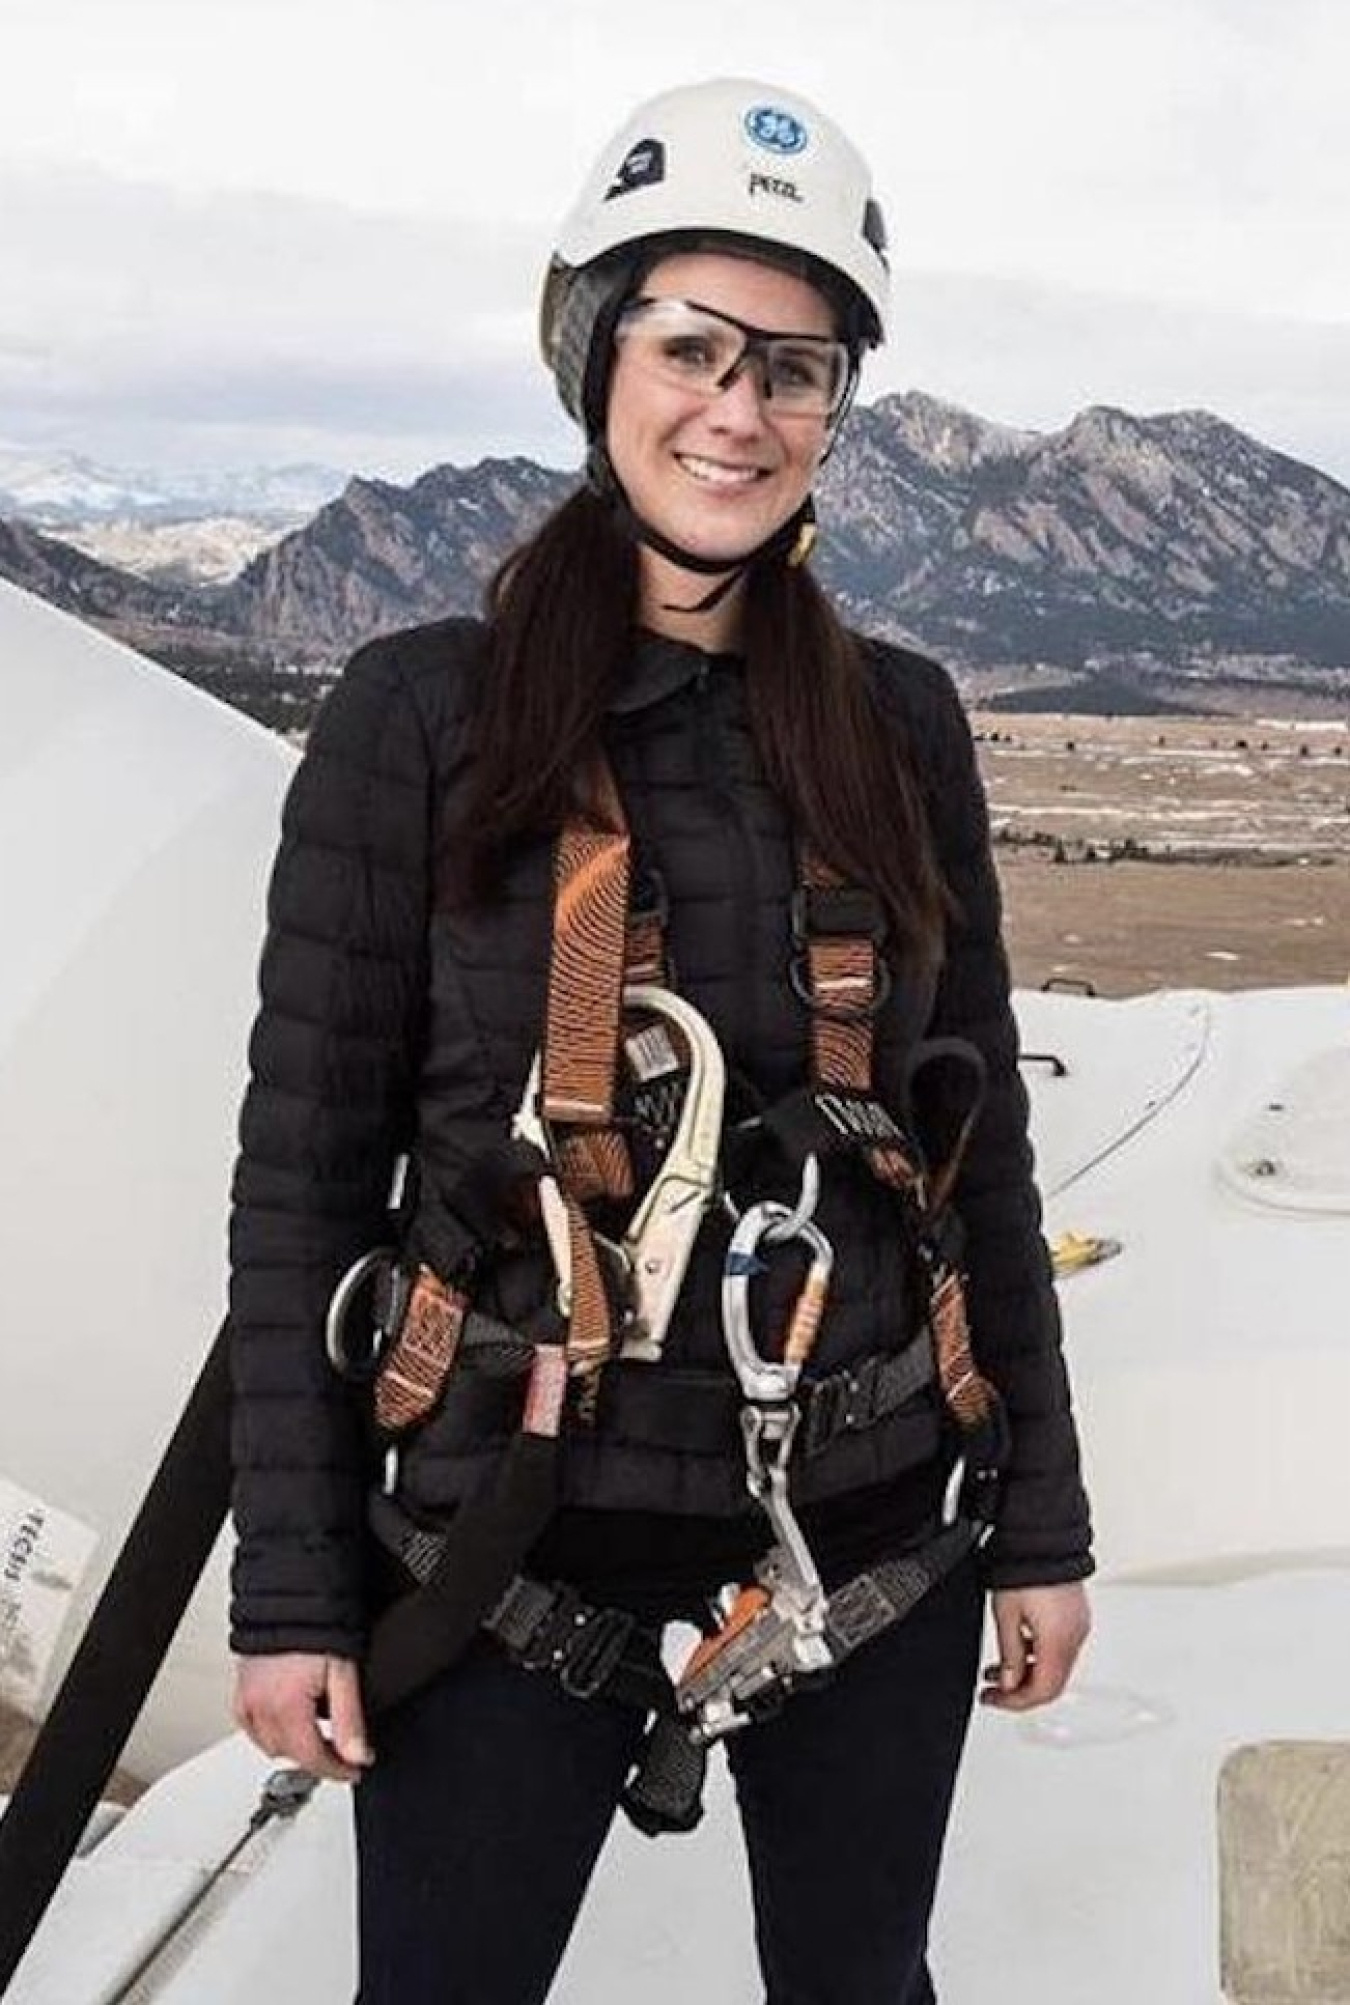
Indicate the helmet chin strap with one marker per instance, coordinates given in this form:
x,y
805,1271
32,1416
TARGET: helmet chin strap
x,y
792,540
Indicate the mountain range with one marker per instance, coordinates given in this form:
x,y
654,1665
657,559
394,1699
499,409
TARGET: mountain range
x,y
1124,561
55,488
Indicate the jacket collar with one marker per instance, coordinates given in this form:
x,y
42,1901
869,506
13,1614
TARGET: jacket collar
x,y
659,667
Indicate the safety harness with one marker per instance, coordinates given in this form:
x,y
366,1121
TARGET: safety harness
x,y
613,1303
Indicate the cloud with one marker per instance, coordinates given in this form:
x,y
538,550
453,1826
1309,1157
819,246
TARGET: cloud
x,y
1189,148
158,325
131,308
89,257
1033,354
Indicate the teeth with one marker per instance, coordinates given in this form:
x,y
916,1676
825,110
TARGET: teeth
x,y
717,475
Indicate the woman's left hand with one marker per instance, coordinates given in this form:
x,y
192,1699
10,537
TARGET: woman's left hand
x,y
1040,1632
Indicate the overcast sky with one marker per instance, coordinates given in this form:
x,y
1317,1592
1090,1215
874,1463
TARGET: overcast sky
x,y
251,231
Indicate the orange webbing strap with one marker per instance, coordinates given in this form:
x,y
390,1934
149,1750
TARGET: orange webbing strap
x,y
591,870
595,1161
590,1332
844,977
968,1394
418,1362
597,947
842,974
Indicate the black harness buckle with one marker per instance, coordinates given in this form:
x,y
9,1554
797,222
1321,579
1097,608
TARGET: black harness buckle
x,y
555,1630
837,1405
595,1651
836,912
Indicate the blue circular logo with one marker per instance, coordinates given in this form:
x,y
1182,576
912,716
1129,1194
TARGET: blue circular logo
x,y
776,130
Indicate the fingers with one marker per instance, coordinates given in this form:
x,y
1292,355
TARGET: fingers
x,y
1040,1633
1017,1657
277,1704
346,1715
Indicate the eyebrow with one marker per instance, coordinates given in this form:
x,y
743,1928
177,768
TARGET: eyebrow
x,y
734,319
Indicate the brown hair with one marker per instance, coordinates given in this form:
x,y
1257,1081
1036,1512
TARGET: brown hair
x,y
562,611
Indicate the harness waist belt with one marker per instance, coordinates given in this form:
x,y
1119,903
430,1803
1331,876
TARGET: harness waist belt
x,y
696,1412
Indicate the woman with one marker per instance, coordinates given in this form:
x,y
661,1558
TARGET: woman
x,y
657,668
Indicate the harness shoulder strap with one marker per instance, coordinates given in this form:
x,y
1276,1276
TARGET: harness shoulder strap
x,y
839,973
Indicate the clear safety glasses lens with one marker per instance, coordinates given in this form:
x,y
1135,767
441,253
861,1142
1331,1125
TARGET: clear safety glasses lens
x,y
690,346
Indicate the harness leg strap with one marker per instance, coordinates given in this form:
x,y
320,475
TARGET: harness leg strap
x,y
665,1790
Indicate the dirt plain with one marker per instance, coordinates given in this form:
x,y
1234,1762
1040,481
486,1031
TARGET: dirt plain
x,y
1146,852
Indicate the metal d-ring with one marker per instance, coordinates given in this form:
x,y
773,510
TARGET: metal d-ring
x,y
361,1369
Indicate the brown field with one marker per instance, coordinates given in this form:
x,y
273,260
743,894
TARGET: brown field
x,y
1143,852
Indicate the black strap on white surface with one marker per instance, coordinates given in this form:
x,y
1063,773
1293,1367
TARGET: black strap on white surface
x,y
110,1676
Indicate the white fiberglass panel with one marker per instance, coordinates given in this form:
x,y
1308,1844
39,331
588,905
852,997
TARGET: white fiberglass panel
x,y
137,819
1097,1071
1293,1152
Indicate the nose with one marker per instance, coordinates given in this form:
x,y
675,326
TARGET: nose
x,y
743,403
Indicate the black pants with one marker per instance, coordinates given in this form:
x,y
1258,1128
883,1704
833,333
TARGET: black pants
x,y
493,1791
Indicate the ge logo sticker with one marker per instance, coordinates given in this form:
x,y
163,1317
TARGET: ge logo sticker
x,y
775,130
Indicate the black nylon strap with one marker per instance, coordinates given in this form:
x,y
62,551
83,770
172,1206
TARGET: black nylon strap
x,y
686,1411
426,1631
836,911
113,1669
450,1226
593,1652
700,1412
876,1600
834,1120
849,1402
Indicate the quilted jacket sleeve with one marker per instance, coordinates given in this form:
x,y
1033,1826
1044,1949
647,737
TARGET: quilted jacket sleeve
x,y
1043,1534
329,1106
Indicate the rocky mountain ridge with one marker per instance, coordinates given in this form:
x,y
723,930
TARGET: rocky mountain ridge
x,y
1122,552
382,556
1121,538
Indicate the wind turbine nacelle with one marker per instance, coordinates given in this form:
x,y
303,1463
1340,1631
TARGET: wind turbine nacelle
x,y
137,822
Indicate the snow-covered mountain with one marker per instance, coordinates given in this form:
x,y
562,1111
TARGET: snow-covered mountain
x,y
208,550
54,489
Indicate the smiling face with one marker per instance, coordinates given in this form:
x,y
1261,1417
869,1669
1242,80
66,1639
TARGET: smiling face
x,y
716,474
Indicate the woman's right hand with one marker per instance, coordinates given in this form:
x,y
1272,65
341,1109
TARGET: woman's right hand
x,y
279,1702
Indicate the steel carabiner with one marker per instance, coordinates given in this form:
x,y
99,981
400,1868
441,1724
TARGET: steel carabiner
x,y
763,1379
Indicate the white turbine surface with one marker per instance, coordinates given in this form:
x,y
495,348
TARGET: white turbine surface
x,y
136,820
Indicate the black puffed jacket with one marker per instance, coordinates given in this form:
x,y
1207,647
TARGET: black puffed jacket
x,y
387,1022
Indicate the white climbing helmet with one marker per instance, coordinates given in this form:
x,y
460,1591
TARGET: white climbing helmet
x,y
726,160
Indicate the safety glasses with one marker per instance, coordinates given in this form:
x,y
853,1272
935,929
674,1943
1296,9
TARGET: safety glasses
x,y
692,347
